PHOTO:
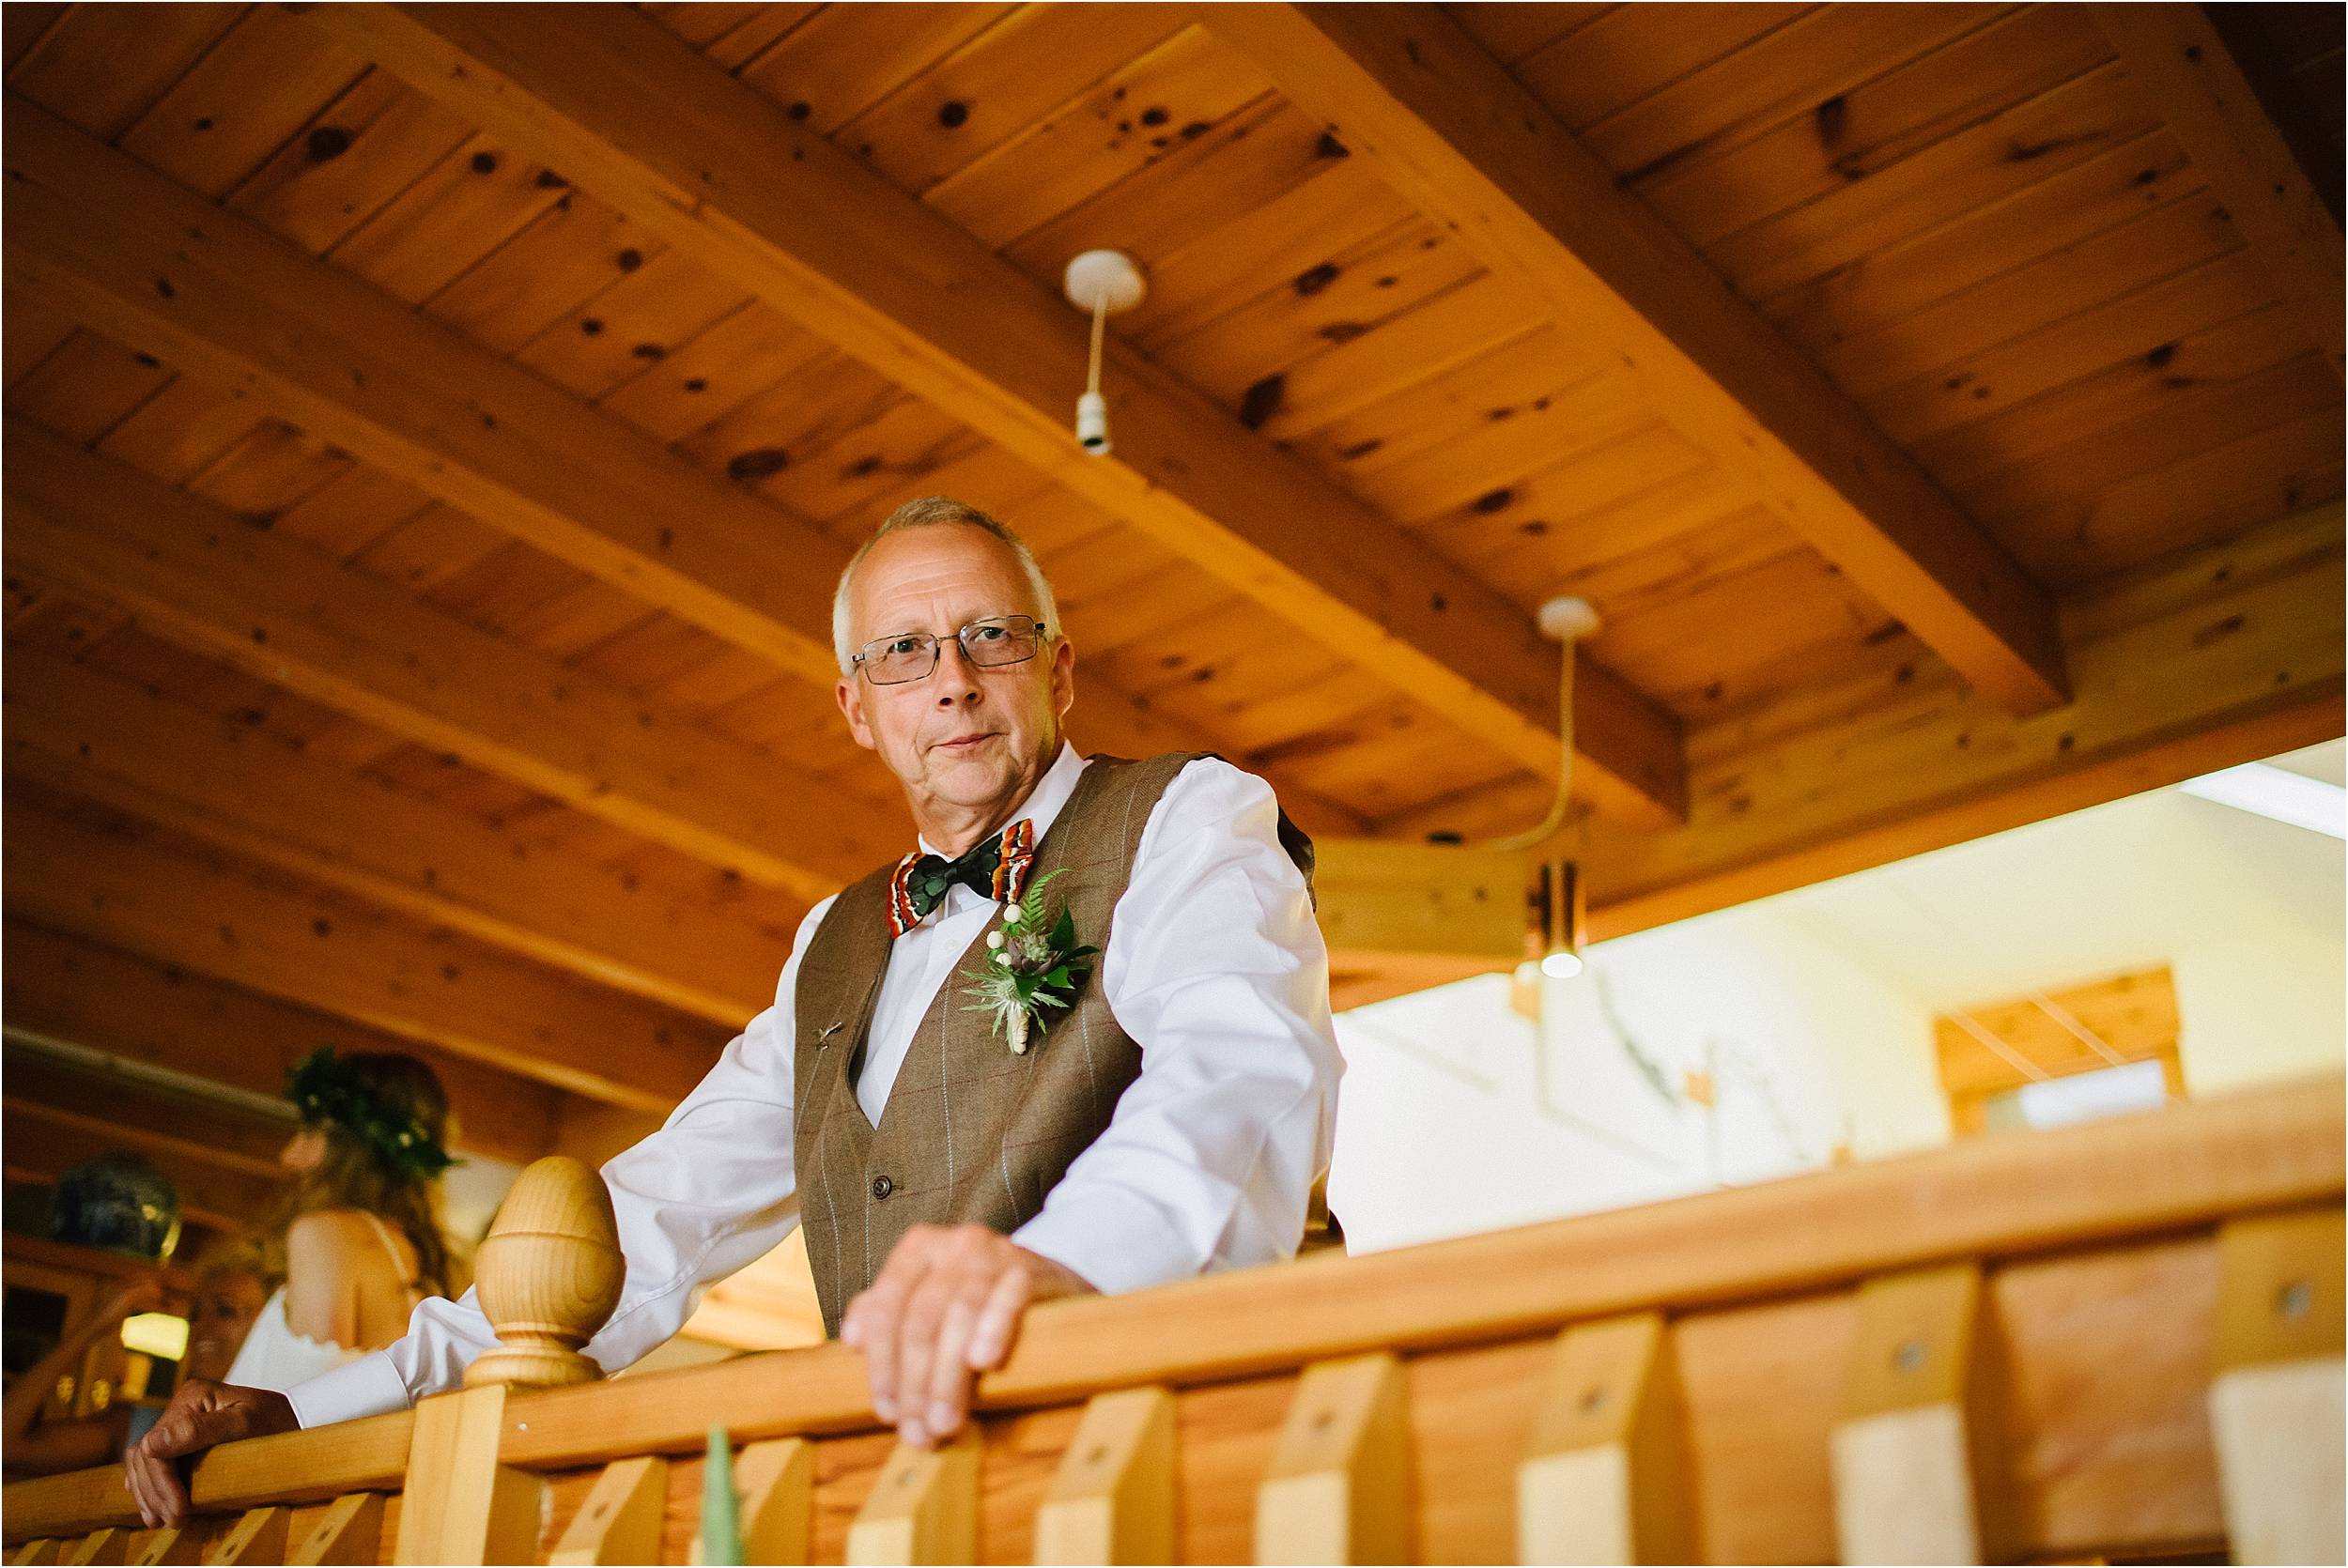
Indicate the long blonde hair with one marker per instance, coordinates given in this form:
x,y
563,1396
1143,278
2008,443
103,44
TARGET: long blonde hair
x,y
352,1174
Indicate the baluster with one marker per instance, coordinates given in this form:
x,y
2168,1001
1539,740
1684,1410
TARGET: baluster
x,y
45,1550
461,1506
1339,1486
257,1536
175,1544
924,1508
546,1276
1604,1478
775,1481
1913,1448
1113,1499
620,1521
108,1547
351,1531
2275,1400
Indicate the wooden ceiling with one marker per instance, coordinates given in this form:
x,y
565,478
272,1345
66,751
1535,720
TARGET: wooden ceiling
x,y
433,434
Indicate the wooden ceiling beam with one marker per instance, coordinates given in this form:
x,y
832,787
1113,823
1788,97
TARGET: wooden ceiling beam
x,y
77,729
99,235
2224,656
2182,69
727,178
282,612
72,991
236,1136
45,1142
1458,137
290,614
117,882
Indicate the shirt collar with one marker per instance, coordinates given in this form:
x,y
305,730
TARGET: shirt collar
x,y
1045,802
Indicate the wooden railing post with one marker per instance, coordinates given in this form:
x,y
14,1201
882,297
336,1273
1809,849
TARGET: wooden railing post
x,y
548,1276
1909,1452
1113,1499
924,1508
2275,1401
1604,1478
1339,1486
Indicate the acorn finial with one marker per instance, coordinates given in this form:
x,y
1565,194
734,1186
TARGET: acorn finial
x,y
548,1276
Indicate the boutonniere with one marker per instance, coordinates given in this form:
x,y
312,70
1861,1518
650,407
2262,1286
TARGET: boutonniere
x,y
1031,964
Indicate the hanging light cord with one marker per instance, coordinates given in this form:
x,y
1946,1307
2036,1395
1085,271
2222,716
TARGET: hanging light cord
x,y
1100,321
1558,804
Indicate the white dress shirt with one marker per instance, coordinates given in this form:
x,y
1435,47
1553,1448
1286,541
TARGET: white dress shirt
x,y
1214,966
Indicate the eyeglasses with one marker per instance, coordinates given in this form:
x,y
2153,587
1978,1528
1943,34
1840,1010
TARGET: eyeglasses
x,y
1001,639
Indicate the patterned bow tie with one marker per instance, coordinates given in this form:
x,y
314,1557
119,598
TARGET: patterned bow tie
x,y
995,869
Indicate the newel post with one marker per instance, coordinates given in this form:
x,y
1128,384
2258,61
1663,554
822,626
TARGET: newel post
x,y
547,1277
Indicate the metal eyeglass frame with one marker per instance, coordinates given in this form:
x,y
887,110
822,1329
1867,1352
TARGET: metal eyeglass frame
x,y
937,648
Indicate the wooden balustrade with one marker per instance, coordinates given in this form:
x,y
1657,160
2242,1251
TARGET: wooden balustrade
x,y
2120,1339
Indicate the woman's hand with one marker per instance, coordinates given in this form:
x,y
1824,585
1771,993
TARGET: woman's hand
x,y
199,1415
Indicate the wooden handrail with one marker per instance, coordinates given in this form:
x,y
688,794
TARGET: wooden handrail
x,y
1988,1199
1991,1197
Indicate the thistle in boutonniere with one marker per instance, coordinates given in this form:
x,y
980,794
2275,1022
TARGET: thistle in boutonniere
x,y
1031,964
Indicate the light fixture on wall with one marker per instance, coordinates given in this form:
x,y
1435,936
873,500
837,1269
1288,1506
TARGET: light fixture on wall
x,y
1101,284
1564,919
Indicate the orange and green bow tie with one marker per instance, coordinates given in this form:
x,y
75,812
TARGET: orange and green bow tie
x,y
995,869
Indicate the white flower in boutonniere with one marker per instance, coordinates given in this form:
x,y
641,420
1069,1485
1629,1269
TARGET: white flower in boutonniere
x,y
1037,964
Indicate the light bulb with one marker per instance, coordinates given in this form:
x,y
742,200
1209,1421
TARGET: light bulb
x,y
1561,964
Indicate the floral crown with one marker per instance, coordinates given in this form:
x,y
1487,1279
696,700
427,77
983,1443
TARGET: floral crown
x,y
328,1090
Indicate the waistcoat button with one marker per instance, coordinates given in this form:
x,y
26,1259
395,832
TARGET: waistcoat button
x,y
882,1187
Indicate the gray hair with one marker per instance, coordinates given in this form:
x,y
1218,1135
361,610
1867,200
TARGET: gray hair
x,y
937,512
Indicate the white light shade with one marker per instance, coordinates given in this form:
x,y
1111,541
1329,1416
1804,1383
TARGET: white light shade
x,y
1561,965
2278,793
156,1333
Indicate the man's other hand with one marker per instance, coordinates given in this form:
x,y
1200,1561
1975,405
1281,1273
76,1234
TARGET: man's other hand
x,y
200,1414
944,1307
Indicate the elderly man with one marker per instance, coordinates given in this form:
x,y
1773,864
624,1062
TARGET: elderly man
x,y
952,1161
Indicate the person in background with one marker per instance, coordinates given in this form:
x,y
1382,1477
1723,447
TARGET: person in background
x,y
356,1241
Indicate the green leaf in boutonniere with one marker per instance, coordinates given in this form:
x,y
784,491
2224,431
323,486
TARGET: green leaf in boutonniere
x,y
1029,966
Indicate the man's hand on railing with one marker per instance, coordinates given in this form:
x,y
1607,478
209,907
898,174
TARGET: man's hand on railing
x,y
200,1415
944,1307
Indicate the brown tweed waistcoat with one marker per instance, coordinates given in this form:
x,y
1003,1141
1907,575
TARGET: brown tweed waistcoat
x,y
970,1134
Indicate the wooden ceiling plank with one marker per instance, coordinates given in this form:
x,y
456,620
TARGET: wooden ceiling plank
x,y
351,161
1874,345
278,609
76,729
122,886
2036,140
93,997
2032,223
102,66
2192,81
764,200
1408,87
242,102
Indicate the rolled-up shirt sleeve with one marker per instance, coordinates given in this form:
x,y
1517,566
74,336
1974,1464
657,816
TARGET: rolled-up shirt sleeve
x,y
1216,968
711,1192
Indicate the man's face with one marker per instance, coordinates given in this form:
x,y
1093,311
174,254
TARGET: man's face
x,y
969,736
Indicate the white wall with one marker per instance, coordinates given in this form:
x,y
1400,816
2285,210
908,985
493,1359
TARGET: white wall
x,y
1816,1009
1458,1116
